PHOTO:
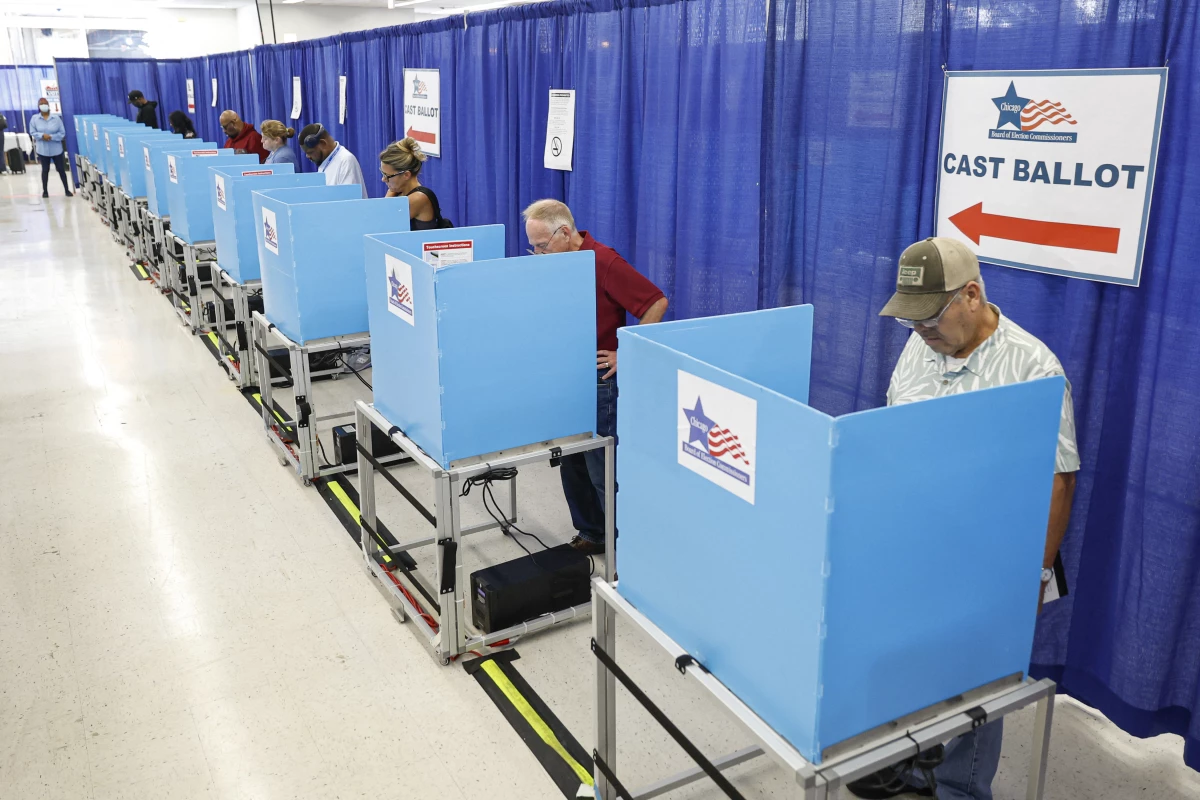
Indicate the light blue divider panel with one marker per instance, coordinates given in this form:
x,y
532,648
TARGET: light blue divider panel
x,y
131,158
457,367
83,130
95,140
108,140
233,212
154,158
835,573
312,275
189,191
87,133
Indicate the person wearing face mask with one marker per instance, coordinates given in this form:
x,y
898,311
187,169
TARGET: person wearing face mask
x,y
48,133
275,137
400,165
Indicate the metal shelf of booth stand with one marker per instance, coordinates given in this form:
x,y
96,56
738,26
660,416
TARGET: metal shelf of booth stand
x,y
842,762
84,166
186,291
297,378
233,335
449,604
158,229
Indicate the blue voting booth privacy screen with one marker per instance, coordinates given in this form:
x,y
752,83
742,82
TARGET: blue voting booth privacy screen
x,y
310,249
189,191
233,212
131,158
84,135
108,143
459,361
154,157
835,573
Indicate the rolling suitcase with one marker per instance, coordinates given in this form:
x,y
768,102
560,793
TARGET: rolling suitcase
x,y
16,161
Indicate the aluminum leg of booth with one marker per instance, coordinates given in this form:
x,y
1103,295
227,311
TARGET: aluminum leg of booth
x,y
441,611
233,334
296,441
161,244
841,763
184,282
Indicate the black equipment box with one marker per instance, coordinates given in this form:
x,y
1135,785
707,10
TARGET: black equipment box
x,y
345,445
527,587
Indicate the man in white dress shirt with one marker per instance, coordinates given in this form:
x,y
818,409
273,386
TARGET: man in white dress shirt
x,y
335,162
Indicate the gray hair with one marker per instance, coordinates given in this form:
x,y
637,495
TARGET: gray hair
x,y
552,213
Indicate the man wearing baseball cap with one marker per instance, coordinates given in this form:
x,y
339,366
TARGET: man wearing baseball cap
x,y
961,343
146,108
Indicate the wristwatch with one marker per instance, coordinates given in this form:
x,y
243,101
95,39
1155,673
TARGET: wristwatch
x,y
1047,575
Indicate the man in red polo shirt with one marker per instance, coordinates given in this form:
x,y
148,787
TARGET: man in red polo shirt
x,y
620,290
242,136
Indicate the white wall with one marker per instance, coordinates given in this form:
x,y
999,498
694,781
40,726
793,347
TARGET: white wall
x,y
185,33
316,22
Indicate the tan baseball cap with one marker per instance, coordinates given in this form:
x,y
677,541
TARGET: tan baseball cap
x,y
929,273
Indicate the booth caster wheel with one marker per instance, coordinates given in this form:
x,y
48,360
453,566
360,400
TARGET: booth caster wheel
x,y
283,462
306,481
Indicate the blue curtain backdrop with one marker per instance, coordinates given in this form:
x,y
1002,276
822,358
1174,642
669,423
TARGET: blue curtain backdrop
x,y
317,64
235,92
102,86
850,136
20,88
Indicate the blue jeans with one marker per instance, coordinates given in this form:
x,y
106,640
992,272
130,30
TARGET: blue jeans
x,y
970,764
582,474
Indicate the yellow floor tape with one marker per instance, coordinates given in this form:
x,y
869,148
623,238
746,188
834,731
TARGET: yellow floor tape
x,y
539,726
258,399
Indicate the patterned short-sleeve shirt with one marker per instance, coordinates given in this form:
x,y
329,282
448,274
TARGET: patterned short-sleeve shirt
x,y
1010,355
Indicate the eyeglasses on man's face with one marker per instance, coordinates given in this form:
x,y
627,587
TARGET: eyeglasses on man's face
x,y
540,247
932,322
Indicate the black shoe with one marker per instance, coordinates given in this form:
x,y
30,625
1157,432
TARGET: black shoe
x,y
45,193
889,782
69,194
587,546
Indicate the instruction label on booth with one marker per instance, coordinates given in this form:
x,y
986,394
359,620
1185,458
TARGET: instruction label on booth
x,y
718,434
400,289
443,254
1051,171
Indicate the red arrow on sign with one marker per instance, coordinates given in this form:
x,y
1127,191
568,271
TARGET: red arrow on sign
x,y
975,223
422,136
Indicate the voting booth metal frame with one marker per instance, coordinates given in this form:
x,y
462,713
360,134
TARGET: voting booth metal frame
x,y
448,605
236,356
298,377
87,179
186,295
842,762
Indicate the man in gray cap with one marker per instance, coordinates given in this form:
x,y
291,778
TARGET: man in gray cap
x,y
962,343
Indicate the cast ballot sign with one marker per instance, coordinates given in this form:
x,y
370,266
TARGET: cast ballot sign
x,y
423,109
1052,171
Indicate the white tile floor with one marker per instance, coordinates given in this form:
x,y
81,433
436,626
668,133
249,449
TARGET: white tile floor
x,y
179,618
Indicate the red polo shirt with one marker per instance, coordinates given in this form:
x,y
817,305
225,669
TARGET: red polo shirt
x,y
248,141
620,289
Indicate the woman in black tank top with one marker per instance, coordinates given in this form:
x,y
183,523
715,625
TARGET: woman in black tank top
x,y
400,165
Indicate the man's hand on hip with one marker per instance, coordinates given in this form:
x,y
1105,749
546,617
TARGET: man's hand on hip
x,y
607,360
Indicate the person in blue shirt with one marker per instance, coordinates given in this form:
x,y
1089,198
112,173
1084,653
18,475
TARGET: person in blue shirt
x,y
48,133
275,137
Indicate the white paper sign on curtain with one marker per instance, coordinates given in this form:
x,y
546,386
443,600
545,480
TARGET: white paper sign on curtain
x,y
560,130
214,100
341,99
296,102
191,93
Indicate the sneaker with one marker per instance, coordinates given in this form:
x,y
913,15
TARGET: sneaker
x,y
587,546
886,783
360,359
